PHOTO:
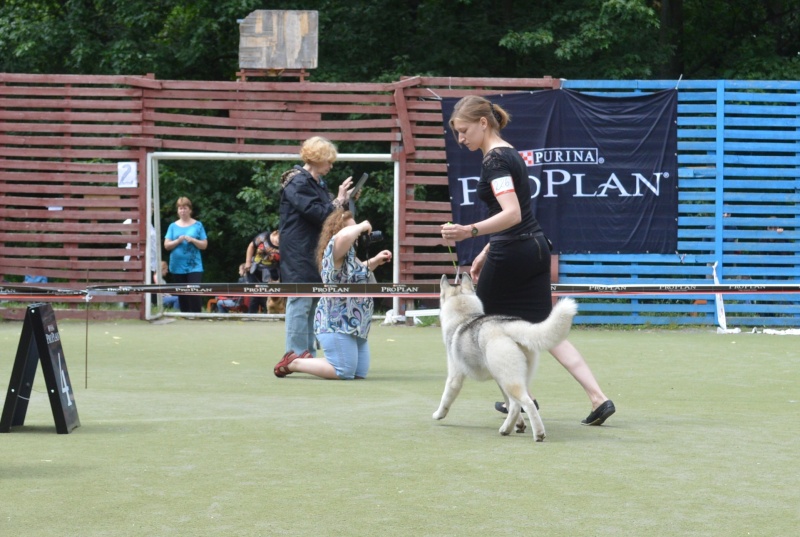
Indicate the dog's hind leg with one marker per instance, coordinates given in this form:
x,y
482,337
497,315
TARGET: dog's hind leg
x,y
451,389
534,417
514,415
520,425
513,391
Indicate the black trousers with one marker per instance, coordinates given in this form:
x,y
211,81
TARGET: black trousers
x,y
187,303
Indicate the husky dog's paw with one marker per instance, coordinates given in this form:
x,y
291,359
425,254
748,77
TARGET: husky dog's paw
x,y
521,425
439,414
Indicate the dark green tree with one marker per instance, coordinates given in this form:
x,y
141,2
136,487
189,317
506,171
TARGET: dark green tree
x,y
385,39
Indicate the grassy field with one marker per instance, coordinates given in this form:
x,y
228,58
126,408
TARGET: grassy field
x,y
186,432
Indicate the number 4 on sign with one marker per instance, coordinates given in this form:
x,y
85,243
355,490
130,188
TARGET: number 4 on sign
x,y
64,383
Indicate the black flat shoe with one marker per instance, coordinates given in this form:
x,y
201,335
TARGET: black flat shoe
x,y
500,406
600,414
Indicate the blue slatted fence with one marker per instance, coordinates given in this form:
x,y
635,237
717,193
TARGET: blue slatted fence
x,y
739,207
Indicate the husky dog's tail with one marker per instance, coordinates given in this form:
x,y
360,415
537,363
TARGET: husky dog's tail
x,y
550,332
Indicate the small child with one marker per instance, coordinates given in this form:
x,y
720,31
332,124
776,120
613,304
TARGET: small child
x,y
263,257
263,260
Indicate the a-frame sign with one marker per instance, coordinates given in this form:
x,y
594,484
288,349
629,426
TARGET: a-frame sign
x,y
40,341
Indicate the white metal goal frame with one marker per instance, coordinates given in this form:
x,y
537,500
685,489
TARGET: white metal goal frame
x,y
154,205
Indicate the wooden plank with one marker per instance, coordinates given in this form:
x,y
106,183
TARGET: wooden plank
x,y
63,128
427,206
60,166
121,232
429,167
756,122
431,229
98,216
417,241
124,80
521,83
196,101
91,277
757,85
63,141
55,267
409,143
435,132
770,112
86,251
62,238
763,134
50,177
299,134
426,217
425,180
112,201
273,87
71,92
437,143
53,153
72,117
438,156
62,104
257,115
763,159
240,119
182,145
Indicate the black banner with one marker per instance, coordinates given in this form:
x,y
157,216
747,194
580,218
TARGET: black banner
x,y
604,170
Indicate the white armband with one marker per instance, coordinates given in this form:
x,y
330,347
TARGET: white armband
x,y
502,185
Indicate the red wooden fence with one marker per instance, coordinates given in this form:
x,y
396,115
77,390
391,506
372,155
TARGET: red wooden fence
x,y
62,213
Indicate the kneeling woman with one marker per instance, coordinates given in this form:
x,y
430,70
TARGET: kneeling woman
x,y
341,324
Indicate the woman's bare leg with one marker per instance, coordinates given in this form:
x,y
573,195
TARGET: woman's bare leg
x,y
572,360
319,367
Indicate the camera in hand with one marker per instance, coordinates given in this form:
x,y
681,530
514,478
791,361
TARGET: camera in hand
x,y
368,238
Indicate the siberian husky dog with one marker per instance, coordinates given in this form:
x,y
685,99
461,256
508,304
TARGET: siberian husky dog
x,y
501,347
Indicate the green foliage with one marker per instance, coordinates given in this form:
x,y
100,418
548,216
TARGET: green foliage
x,y
171,38
259,201
385,39
748,39
591,39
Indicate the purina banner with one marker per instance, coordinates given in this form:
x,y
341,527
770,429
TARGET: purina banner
x,y
603,170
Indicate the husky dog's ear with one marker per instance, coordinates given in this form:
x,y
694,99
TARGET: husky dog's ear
x,y
466,282
444,283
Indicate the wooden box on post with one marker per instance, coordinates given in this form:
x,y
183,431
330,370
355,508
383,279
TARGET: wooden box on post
x,y
278,43
40,341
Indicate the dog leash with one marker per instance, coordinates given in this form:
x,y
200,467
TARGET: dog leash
x,y
455,263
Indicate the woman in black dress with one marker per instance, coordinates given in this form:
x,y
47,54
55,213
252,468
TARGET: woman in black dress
x,y
513,270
